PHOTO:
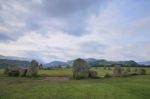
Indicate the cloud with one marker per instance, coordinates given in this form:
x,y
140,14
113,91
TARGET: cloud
x,y
5,37
67,29
65,8
61,45
71,13
12,19
20,17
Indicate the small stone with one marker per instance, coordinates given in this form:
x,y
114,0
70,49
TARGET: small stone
x,y
141,71
22,72
93,74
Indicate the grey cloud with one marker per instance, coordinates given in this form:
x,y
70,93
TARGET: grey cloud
x,y
59,8
12,20
72,12
41,57
5,37
34,55
21,17
93,44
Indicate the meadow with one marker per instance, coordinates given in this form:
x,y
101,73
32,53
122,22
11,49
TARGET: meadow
x,y
133,87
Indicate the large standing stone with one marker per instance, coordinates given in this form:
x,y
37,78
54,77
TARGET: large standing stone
x,y
40,66
134,70
125,73
117,71
80,69
6,70
23,72
141,71
13,70
128,69
138,71
33,69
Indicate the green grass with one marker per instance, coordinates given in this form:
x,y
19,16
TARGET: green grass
x,y
56,72
2,73
68,72
135,87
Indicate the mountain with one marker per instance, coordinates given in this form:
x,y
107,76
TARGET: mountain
x,y
68,63
56,64
129,63
144,63
101,62
5,63
19,61
92,62
91,59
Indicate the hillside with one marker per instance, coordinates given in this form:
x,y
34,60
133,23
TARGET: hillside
x,y
5,63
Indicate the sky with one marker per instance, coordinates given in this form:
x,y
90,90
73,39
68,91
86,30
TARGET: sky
x,y
62,30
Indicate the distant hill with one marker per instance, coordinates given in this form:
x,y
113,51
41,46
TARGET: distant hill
x,y
68,63
101,62
145,63
92,62
56,64
5,63
19,61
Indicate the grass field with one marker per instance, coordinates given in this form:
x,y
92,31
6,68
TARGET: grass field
x,y
68,72
135,87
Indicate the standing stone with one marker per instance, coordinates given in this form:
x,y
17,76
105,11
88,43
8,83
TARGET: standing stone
x,y
141,71
134,71
104,67
93,74
117,71
138,71
40,66
6,70
33,69
29,72
13,70
122,69
22,72
34,66
124,73
107,75
80,69
128,69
